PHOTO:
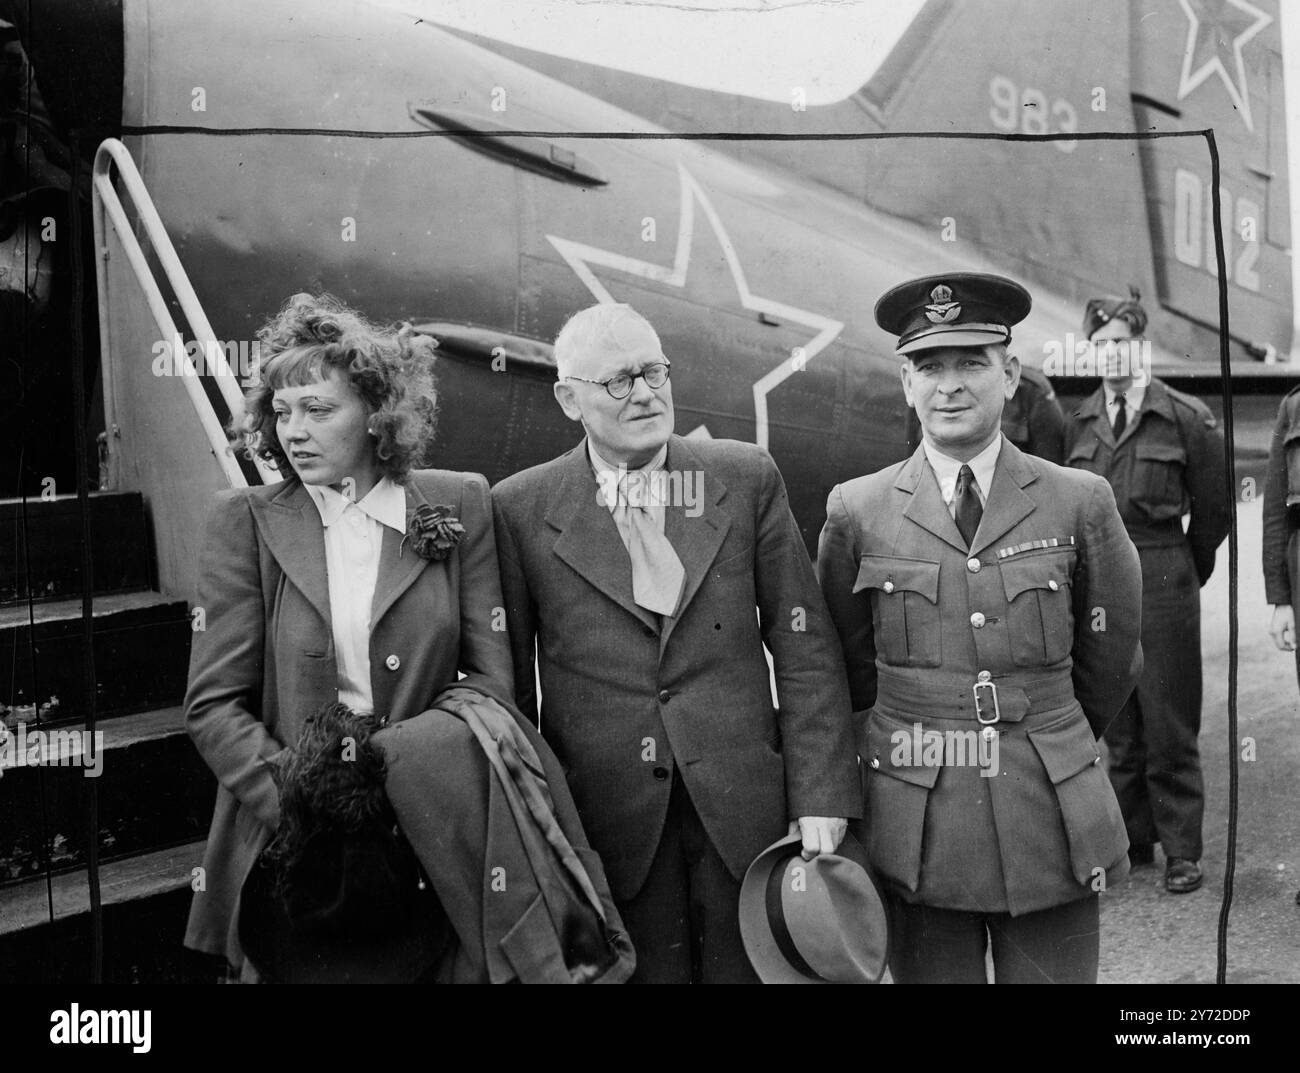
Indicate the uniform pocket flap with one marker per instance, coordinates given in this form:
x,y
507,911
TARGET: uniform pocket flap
x,y
1066,748
1161,452
1082,451
891,574
1043,571
890,739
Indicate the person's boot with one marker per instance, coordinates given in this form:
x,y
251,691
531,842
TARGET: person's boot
x,y
1182,876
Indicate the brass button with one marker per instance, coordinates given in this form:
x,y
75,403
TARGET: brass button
x,y
663,696
1096,760
973,565
661,773
889,586
977,620
392,663
984,676
1053,585
875,762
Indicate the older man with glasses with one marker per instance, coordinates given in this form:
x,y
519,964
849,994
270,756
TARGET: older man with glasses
x,y
647,573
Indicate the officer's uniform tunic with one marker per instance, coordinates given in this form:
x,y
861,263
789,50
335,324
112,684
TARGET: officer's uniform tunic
x,y
923,621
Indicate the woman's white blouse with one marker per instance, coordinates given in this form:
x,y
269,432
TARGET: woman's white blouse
x,y
354,538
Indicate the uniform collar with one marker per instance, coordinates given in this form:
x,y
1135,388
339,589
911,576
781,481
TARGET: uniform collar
x,y
1132,397
385,502
982,465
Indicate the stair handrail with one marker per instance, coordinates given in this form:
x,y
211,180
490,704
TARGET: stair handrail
x,y
106,202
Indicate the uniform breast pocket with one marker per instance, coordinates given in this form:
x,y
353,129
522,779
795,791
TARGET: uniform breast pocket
x,y
905,608
1040,619
1158,480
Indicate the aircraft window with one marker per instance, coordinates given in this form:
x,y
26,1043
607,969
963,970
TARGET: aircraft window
x,y
824,51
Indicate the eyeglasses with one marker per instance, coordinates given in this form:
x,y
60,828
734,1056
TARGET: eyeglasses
x,y
620,386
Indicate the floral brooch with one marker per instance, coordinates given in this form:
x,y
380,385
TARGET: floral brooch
x,y
433,532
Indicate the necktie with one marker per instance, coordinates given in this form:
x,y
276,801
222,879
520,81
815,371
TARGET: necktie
x,y
1121,416
657,572
966,501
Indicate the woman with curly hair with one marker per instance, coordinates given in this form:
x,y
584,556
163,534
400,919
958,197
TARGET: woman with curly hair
x,y
358,579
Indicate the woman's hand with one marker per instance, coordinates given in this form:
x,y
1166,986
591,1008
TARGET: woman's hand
x,y
1282,628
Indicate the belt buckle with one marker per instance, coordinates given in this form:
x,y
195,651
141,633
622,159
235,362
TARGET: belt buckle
x,y
979,707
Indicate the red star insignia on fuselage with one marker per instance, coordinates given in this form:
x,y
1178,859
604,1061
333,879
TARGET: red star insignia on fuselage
x,y
581,257
1216,30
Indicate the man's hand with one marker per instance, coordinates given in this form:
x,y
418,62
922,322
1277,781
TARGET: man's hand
x,y
1281,629
821,834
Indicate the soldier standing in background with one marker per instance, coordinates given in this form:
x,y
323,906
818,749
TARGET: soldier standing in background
x,y
1162,452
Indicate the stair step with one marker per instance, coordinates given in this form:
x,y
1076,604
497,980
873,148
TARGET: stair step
x,y
47,565
145,901
153,789
142,642
33,903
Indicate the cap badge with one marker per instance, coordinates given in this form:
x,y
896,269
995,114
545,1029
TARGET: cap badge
x,y
944,310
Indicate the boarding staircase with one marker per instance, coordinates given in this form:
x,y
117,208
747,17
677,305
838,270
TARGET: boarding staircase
x,y
152,799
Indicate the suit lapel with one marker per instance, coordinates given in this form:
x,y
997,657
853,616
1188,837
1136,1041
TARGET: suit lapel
x,y
399,566
925,505
1006,505
696,540
293,532
588,539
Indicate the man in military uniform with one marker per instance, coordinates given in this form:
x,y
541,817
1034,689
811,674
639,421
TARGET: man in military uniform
x,y
988,607
1162,453
1032,418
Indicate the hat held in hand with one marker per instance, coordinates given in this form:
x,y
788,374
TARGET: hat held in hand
x,y
813,922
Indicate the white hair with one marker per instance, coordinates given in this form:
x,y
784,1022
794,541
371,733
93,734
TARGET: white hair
x,y
595,329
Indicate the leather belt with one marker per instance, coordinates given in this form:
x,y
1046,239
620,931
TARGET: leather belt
x,y
984,697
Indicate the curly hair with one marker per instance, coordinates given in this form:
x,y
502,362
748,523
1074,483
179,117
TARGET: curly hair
x,y
333,779
390,368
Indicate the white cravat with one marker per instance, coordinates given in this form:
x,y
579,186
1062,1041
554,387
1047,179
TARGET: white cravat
x,y
639,510
946,470
354,539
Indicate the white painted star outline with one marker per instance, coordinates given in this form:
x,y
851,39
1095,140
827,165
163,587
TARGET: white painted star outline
x,y
581,257
1236,86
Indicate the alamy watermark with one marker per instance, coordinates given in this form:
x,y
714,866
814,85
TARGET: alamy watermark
x,y
176,357
23,747
1097,357
946,748
658,488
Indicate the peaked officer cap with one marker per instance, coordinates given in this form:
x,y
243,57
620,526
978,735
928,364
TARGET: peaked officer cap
x,y
957,309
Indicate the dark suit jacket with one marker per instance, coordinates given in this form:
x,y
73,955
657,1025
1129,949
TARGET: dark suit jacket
x,y
1054,619
265,660
623,700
